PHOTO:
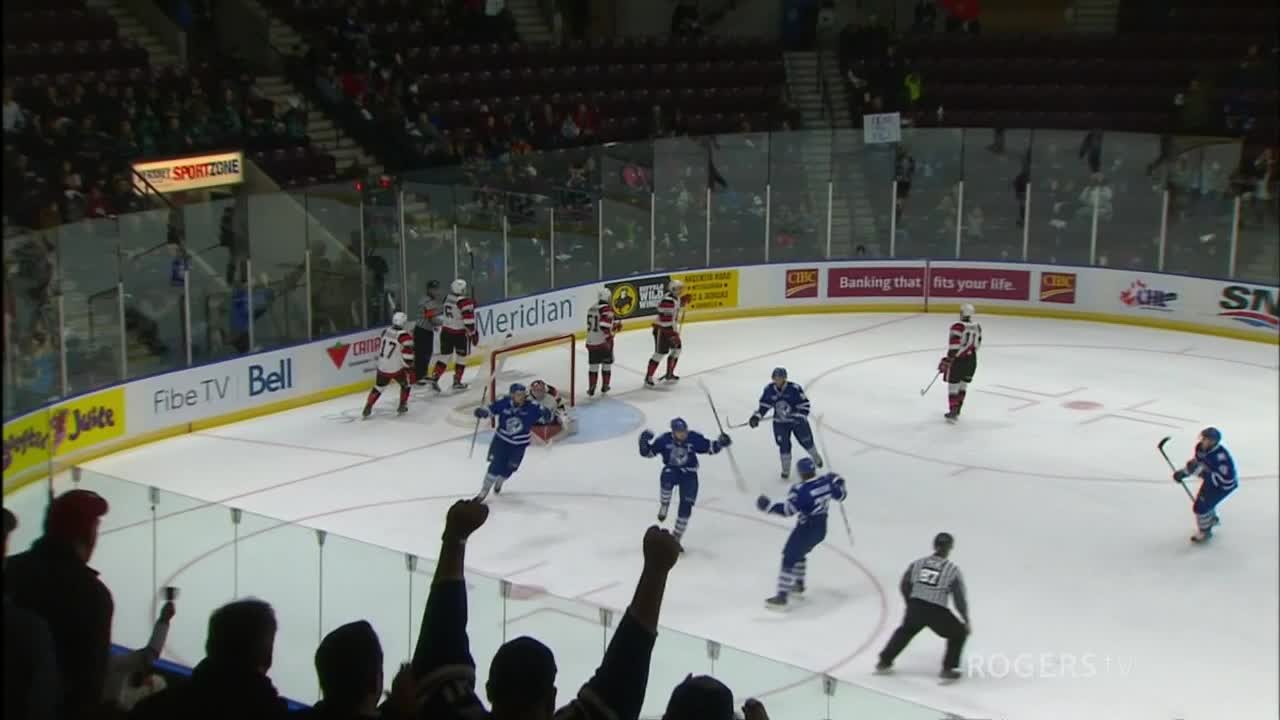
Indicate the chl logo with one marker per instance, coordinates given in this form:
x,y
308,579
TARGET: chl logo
x,y
1143,297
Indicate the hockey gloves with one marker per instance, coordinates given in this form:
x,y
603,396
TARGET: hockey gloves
x,y
944,365
762,503
754,421
474,338
646,443
1179,475
724,440
481,412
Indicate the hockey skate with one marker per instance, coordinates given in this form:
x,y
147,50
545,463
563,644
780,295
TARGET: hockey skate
x,y
884,668
604,389
798,589
648,381
459,386
670,378
785,477
952,416
497,486
366,412
402,409
1205,536
949,676
423,381
433,384
662,513
591,392
777,602
484,493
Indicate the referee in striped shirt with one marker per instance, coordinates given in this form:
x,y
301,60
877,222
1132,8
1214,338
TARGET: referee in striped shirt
x,y
926,586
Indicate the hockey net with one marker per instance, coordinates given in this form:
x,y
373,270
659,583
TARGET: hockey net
x,y
552,360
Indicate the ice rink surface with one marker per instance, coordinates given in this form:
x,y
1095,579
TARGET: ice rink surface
x,y
1086,596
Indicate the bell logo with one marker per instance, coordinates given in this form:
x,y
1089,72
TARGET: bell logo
x,y
802,283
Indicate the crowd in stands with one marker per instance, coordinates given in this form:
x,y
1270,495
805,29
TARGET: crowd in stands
x,y
57,635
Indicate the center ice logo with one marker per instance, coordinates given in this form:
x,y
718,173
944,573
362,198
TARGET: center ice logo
x,y
1143,297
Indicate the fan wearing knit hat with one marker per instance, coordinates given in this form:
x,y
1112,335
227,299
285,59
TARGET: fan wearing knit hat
x,y
53,580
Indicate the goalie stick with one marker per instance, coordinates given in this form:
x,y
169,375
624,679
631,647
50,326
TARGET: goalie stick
x,y
1160,446
733,464
844,514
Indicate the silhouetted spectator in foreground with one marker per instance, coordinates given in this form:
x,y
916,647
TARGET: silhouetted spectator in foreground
x,y
522,675
30,671
53,580
231,681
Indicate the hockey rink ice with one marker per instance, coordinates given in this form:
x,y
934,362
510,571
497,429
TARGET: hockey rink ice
x,y
1086,596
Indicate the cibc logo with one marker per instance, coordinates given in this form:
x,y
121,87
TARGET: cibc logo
x,y
802,283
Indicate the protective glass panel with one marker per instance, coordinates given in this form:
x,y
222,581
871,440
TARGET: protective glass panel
x,y
1130,202
341,291
481,256
1061,197
1201,211
384,272
800,166
217,248
33,364
277,243
528,244
739,172
680,186
154,260
576,250
927,167
626,181
995,171
861,197
1258,254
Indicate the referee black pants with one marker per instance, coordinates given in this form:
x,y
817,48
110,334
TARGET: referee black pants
x,y
423,341
920,615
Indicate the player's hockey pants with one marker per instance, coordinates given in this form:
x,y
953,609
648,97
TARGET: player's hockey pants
x,y
782,433
803,539
687,482
922,614
1206,504
504,458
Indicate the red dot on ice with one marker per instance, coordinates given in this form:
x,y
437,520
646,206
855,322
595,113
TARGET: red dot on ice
x,y
1082,405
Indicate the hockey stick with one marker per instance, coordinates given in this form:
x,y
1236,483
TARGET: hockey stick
x,y
476,432
821,440
1160,446
733,464
730,424
925,389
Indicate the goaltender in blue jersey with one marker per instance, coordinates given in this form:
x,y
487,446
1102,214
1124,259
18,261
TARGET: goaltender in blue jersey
x,y
808,500
679,450
1218,479
790,408
514,417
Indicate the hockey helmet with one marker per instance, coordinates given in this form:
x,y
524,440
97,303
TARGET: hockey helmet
x,y
966,311
399,319
458,287
679,425
605,295
943,541
517,388
806,468
779,372
676,286
1213,435
537,388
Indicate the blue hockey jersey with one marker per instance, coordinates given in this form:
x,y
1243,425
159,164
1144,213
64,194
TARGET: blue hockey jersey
x,y
809,499
789,404
680,455
515,422
1215,466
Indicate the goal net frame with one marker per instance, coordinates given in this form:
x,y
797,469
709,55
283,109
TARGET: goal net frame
x,y
499,355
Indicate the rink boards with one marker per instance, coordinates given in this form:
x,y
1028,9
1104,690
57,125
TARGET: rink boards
x,y
164,405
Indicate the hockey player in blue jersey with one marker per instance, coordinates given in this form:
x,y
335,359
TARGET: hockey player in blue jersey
x,y
1218,478
790,408
679,450
515,418
808,499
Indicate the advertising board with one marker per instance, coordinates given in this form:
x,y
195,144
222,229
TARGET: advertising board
x,y
192,172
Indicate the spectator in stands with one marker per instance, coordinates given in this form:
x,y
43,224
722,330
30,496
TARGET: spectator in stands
x,y
1091,150
53,580
129,676
1193,106
706,698
522,674
349,668
925,17
31,681
685,23
15,119
231,681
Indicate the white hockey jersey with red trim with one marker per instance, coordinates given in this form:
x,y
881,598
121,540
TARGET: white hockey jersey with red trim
x,y
602,325
965,339
396,351
669,310
459,315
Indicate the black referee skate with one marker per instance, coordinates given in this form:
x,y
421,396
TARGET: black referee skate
x,y
949,676
884,668
777,602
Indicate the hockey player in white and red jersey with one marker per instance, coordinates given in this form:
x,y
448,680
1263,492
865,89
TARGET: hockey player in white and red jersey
x,y
395,362
666,333
961,360
458,335
602,326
